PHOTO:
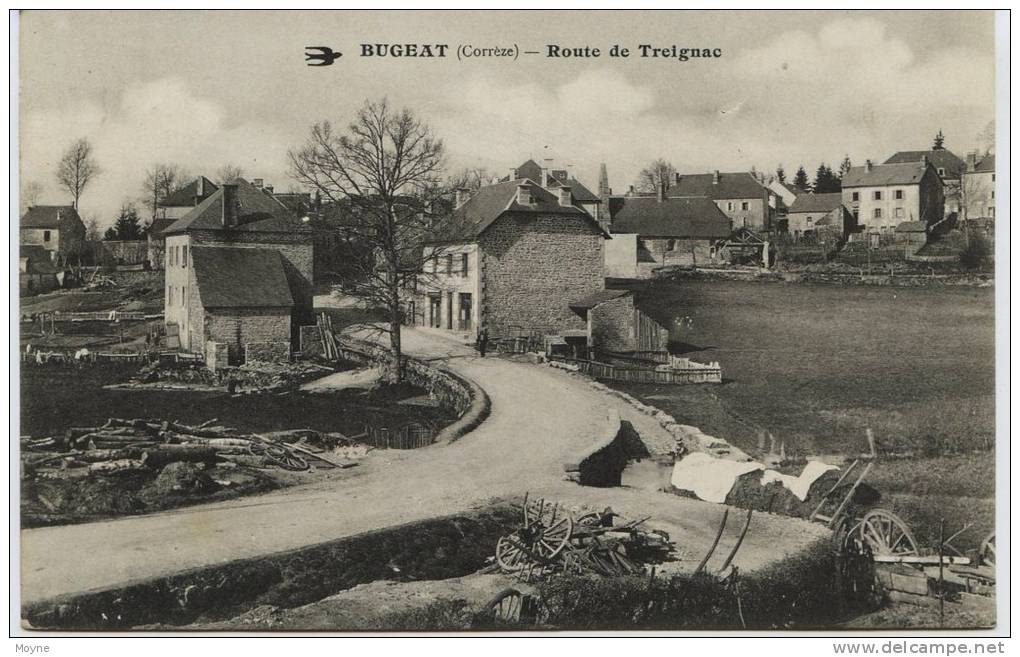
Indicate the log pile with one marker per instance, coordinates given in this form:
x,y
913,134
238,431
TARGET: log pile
x,y
145,445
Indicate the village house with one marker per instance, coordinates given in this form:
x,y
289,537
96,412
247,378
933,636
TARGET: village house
x,y
510,258
182,201
744,200
155,241
949,167
911,236
811,214
37,274
655,231
56,228
979,187
882,196
238,276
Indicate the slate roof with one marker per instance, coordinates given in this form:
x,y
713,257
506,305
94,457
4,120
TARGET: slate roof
x,y
185,196
907,173
489,203
159,226
239,277
940,159
581,193
730,185
694,216
39,259
986,165
816,202
47,216
295,201
257,211
584,305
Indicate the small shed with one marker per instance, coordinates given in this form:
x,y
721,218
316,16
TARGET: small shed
x,y
911,236
615,324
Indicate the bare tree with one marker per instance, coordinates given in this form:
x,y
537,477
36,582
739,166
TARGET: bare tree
x,y
386,169
228,172
161,180
986,138
92,231
471,178
77,169
30,195
659,172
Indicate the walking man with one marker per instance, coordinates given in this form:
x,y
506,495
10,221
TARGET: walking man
x,y
482,342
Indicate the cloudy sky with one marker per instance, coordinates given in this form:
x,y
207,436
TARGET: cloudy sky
x,y
201,89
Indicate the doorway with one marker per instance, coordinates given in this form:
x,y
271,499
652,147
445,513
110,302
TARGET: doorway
x,y
464,313
435,310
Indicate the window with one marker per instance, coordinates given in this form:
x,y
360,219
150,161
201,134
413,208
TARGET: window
x,y
729,205
449,263
463,265
855,196
878,195
184,258
942,172
991,210
46,236
899,213
170,295
744,205
184,295
810,221
899,194
435,264
993,177
878,213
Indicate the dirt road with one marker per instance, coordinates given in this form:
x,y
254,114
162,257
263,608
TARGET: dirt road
x,y
539,418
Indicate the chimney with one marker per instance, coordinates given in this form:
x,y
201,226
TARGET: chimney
x,y
199,187
545,177
513,173
662,191
715,177
566,197
461,196
924,161
523,194
257,182
676,179
630,190
971,161
867,165
229,205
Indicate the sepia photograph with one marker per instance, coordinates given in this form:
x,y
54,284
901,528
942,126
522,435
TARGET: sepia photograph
x,y
509,322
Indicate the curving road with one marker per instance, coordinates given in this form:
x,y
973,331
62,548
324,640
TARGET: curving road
x,y
540,417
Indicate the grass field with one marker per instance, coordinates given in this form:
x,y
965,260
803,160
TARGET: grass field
x,y
817,364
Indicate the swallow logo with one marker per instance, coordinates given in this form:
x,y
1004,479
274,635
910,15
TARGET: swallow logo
x,y
324,57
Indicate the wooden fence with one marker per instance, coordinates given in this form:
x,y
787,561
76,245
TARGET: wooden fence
x,y
409,436
630,374
102,316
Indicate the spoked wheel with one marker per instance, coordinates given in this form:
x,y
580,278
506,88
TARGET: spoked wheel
x,y
547,529
509,556
278,455
512,607
986,554
885,534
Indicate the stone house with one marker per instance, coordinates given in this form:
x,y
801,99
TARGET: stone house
x,y
155,241
882,196
615,324
656,231
911,236
510,258
949,167
812,213
238,237
182,201
37,274
979,188
744,200
56,228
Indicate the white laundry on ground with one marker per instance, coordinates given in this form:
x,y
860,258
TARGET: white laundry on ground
x,y
709,478
800,485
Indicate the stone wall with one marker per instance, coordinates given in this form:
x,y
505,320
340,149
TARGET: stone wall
x,y
217,356
240,326
611,325
310,341
277,351
534,266
681,252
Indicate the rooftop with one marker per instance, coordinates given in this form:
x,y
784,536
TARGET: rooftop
x,y
47,216
185,196
940,159
907,173
817,202
257,211
694,216
718,185
233,277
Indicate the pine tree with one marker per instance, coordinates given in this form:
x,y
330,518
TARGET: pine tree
x,y
826,181
128,225
800,180
844,166
780,174
939,141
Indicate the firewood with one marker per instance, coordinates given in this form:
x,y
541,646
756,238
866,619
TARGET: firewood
x,y
247,460
99,455
117,467
157,457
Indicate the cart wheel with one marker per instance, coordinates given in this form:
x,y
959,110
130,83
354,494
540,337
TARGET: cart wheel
x,y
885,533
509,557
986,554
512,607
547,529
590,519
